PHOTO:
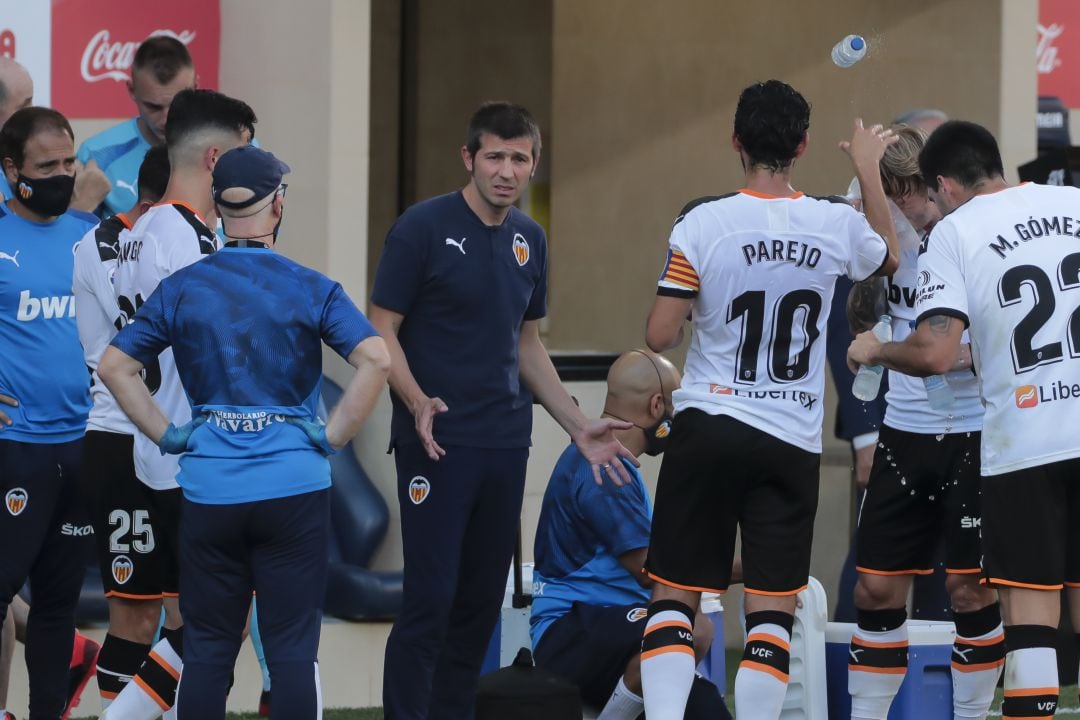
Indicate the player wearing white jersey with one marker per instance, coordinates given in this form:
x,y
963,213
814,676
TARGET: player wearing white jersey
x,y
924,487
756,269
202,125
1006,261
131,521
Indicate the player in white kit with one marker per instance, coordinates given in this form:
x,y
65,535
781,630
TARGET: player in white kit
x,y
1006,261
202,125
757,269
924,487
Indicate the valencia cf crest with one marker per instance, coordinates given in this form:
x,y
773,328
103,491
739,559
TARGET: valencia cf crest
x,y
521,249
25,191
15,501
637,614
663,429
122,569
419,489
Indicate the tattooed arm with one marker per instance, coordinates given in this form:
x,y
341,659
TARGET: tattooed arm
x,y
933,349
867,301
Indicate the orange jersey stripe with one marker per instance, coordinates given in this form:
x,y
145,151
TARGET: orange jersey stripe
x,y
666,649
766,637
762,667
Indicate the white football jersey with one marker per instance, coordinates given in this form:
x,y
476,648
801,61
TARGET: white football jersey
x,y
168,237
761,271
1008,263
98,317
907,408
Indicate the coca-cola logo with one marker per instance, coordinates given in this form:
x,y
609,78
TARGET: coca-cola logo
x,y
105,60
1046,54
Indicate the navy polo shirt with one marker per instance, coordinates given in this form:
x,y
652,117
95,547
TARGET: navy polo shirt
x,y
464,288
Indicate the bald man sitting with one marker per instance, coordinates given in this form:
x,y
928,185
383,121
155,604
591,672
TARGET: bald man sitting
x,y
589,593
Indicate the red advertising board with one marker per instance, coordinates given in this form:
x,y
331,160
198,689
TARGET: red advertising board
x,y
94,42
1058,50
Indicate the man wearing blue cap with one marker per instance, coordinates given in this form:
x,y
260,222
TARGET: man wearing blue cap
x,y
255,475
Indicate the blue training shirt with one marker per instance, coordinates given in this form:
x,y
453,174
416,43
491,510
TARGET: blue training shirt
x,y
582,531
41,362
119,152
465,289
246,326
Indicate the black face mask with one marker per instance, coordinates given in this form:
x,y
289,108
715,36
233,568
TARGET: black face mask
x,y
48,197
656,436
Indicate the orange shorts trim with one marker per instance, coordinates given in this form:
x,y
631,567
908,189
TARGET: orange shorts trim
x,y
772,639
762,667
170,595
128,596
1011,583
688,588
773,593
878,670
977,668
971,571
1072,585
889,573
667,649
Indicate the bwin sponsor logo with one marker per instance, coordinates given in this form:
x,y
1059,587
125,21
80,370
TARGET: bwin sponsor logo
x,y
49,308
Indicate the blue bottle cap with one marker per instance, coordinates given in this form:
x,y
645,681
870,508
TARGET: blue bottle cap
x,y
857,43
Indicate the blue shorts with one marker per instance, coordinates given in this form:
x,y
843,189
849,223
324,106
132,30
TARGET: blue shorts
x,y
591,646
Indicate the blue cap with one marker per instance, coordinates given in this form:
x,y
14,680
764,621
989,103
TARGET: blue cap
x,y
857,43
250,168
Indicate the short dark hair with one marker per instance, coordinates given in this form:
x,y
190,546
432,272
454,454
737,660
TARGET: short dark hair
x,y
26,123
154,174
505,120
164,56
770,121
193,110
961,150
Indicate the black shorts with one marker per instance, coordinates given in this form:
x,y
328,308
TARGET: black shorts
x,y
136,526
922,488
591,645
720,475
1031,531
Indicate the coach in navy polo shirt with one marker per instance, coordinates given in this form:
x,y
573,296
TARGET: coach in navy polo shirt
x,y
458,296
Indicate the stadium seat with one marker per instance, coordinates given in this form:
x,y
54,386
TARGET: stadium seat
x,y
358,521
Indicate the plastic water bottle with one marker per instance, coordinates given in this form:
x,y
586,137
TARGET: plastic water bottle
x,y
849,51
938,393
868,379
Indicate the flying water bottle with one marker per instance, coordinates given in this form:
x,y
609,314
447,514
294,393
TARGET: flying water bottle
x,y
868,379
849,51
938,393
